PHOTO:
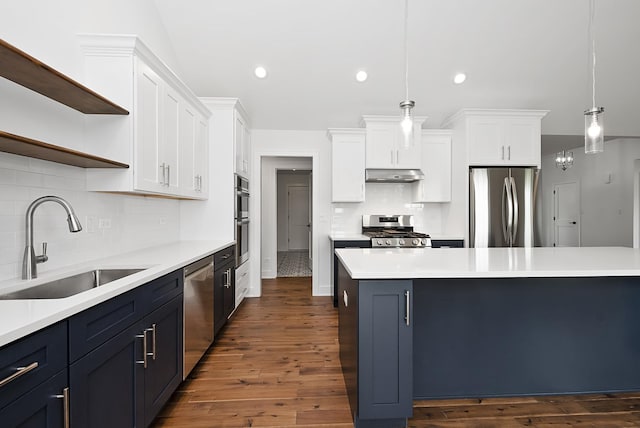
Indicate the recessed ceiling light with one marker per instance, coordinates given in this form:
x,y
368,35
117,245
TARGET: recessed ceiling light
x,y
260,72
459,78
361,76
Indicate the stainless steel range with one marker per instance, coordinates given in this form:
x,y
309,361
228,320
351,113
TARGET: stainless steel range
x,y
393,231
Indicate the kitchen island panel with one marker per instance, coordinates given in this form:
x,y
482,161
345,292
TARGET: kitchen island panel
x,y
526,336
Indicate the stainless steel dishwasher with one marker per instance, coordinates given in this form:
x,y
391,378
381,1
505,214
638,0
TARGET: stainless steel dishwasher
x,y
198,312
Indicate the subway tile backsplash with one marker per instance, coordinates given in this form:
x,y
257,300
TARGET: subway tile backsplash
x,y
386,198
111,223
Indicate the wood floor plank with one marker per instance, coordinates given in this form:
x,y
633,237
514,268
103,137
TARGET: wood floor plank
x,y
276,364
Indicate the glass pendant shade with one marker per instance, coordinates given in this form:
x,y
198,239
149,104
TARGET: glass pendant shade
x,y
564,160
594,130
406,123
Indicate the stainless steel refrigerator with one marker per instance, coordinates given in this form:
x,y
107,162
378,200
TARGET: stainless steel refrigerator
x,y
502,207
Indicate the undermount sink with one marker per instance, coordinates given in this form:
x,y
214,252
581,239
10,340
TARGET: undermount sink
x,y
71,285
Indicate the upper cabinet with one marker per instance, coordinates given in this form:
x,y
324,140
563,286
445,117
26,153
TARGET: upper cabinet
x,y
242,143
347,164
500,137
385,146
165,139
436,167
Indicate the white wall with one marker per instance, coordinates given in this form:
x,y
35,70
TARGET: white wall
x,y
606,207
48,31
305,144
286,179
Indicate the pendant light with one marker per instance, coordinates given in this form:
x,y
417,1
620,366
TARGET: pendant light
x,y
564,160
593,118
406,106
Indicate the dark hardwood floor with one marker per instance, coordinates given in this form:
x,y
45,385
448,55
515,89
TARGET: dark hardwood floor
x,y
276,364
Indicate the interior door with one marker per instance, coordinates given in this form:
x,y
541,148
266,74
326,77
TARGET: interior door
x,y
298,217
566,215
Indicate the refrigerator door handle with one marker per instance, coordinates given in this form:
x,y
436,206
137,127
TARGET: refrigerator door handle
x,y
514,222
508,207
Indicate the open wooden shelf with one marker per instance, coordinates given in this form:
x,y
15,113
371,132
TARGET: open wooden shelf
x,y
23,146
27,71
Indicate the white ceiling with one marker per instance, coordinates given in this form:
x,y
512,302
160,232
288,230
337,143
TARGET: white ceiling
x,y
517,54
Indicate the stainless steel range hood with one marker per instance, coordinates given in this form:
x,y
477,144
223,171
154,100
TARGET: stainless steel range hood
x,y
393,175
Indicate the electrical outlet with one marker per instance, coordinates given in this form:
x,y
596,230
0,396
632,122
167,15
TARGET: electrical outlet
x,y
104,223
163,220
91,223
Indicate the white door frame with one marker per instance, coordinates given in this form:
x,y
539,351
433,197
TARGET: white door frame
x,y
255,215
554,209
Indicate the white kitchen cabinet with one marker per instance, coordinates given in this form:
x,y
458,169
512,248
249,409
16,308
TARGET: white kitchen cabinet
x,y
502,137
436,166
242,281
385,146
242,144
161,139
347,164
194,175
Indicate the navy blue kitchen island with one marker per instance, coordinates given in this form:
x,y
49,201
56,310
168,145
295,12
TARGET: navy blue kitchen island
x,y
465,323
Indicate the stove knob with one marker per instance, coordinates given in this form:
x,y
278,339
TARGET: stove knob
x,y
380,242
401,242
388,242
415,242
424,242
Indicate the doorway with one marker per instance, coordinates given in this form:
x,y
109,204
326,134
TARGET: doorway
x,y
566,215
294,223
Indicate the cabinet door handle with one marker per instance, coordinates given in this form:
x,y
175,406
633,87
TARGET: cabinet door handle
x,y
152,354
228,278
164,173
398,157
407,310
20,371
502,152
143,336
168,175
391,153
509,152
65,405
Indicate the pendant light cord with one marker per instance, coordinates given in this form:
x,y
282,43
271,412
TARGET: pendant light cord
x,y
406,49
593,52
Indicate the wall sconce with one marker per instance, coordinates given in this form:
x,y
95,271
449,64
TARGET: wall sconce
x,y
564,160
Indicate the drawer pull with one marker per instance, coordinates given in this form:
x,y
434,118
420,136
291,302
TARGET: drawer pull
x,y
20,371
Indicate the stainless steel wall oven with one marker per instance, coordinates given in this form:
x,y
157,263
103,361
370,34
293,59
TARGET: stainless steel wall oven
x,y
242,220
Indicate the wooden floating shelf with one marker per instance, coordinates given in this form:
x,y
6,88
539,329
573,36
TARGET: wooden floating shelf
x,y
23,146
27,71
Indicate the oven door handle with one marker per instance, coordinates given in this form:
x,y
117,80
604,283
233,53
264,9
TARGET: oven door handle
x,y
243,221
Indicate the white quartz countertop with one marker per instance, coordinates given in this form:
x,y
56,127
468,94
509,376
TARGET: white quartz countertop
x,y
19,318
410,263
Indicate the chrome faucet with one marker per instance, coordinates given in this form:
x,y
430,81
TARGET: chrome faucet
x,y
30,260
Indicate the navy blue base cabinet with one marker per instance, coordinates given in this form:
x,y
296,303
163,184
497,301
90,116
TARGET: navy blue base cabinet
x,y
125,381
33,379
108,383
42,407
376,349
115,364
355,243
